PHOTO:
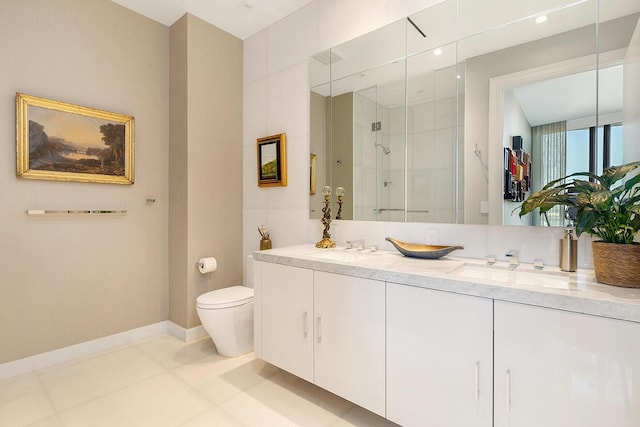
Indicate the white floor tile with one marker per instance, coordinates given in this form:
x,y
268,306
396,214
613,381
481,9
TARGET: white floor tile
x,y
80,382
207,368
53,421
215,417
23,401
357,416
312,393
159,401
237,380
18,386
284,400
171,352
165,382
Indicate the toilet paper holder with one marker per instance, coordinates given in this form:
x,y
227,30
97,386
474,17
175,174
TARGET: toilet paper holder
x,y
207,265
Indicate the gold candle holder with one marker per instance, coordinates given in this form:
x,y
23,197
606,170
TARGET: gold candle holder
x,y
340,194
326,241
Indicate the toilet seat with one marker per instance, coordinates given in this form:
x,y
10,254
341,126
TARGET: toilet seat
x,y
226,297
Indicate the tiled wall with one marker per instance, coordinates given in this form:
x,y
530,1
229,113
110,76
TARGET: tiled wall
x,y
372,168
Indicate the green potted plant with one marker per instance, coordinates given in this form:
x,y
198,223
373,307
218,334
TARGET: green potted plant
x,y
606,207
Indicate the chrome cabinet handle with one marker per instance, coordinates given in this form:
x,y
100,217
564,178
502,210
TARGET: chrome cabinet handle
x,y
477,380
508,390
319,328
305,321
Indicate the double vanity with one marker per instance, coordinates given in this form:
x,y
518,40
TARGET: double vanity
x,y
453,341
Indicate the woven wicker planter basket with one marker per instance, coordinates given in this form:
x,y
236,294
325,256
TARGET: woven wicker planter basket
x,y
617,264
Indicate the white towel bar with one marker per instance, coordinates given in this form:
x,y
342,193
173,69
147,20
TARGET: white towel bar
x,y
75,212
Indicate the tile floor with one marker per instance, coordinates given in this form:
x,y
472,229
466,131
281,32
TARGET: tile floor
x,y
166,382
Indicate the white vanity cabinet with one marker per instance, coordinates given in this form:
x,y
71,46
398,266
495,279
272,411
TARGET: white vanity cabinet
x,y
286,307
439,358
557,368
326,328
350,338
450,352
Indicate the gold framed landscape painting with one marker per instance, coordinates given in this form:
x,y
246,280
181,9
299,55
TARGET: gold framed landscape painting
x,y
57,141
272,161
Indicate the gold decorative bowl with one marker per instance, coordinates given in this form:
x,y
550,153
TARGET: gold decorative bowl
x,y
422,251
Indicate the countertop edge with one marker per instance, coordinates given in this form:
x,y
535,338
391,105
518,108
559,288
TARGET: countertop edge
x,y
598,300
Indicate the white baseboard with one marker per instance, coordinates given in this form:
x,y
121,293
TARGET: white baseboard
x,y
88,348
185,335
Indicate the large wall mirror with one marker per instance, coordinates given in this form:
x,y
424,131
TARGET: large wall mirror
x,y
421,120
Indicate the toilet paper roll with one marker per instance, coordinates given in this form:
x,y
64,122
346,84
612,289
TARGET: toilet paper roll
x,y
207,265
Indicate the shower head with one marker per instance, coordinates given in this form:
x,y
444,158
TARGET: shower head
x,y
385,149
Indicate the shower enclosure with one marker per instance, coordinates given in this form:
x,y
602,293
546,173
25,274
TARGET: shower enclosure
x,y
425,130
378,174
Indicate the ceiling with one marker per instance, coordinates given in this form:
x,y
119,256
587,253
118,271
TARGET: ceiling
x,y
242,18
572,97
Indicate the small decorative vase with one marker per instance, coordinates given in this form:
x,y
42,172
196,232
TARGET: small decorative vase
x,y
617,264
265,244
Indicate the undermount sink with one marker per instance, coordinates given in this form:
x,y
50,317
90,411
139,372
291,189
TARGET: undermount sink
x,y
518,275
346,255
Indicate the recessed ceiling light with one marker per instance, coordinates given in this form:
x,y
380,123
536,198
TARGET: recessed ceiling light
x,y
540,19
458,76
437,52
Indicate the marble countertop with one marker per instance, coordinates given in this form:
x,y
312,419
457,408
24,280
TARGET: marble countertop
x,y
577,292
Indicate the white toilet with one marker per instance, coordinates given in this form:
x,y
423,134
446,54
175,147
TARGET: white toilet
x,y
227,316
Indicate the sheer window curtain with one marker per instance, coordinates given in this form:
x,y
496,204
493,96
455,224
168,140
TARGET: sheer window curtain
x,y
549,148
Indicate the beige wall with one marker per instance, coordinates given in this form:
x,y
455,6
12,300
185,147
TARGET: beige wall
x,y
65,280
342,151
206,176
178,177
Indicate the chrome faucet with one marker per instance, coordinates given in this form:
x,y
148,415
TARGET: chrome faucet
x,y
513,254
538,264
358,244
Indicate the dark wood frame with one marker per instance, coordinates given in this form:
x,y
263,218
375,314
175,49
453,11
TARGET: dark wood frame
x,y
272,161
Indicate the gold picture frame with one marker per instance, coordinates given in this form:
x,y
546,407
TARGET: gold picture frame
x,y
57,141
272,161
312,174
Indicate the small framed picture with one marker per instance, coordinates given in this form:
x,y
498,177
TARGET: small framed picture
x,y
272,161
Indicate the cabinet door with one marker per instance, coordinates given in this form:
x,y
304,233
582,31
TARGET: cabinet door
x,y
287,318
439,358
350,338
257,308
556,368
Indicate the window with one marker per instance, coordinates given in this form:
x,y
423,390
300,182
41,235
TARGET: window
x,y
608,152
587,151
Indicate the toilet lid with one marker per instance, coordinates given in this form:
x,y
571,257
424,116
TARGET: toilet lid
x,y
226,297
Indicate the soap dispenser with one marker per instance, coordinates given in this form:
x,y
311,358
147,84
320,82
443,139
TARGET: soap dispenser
x,y
568,251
